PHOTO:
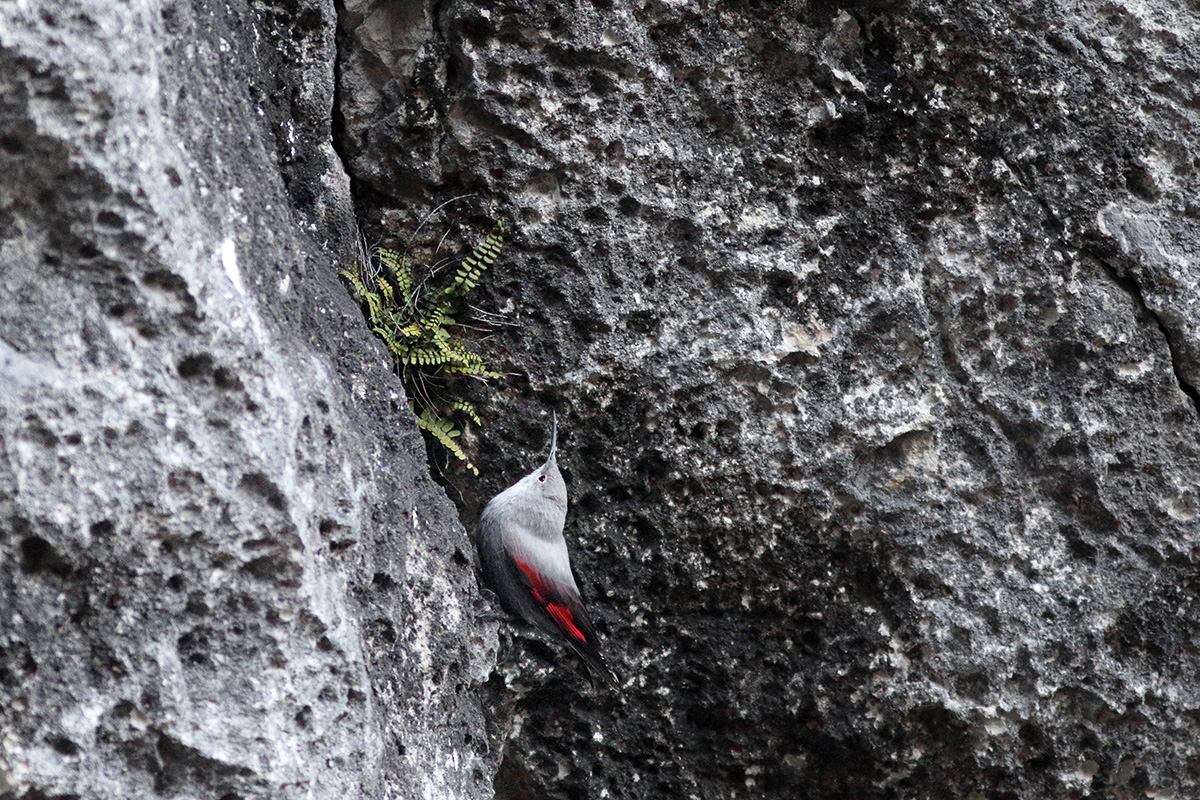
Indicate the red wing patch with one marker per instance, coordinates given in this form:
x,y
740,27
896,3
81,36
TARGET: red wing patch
x,y
562,616
565,620
539,584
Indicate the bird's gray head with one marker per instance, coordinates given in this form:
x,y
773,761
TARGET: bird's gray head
x,y
546,482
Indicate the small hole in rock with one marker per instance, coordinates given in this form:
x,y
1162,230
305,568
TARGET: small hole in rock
x,y
304,717
225,379
38,555
195,366
110,219
64,745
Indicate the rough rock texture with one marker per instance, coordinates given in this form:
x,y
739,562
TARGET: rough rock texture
x,y
224,570
871,330
870,327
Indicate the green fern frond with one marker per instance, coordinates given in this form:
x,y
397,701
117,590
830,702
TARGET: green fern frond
x,y
444,431
388,339
469,409
352,276
386,292
417,321
401,269
473,266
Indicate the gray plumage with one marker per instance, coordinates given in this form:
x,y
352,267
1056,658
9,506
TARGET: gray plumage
x,y
524,560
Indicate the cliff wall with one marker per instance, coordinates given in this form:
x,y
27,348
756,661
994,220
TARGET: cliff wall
x,y
869,327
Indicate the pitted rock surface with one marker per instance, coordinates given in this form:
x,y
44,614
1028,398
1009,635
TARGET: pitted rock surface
x,y
870,328
224,570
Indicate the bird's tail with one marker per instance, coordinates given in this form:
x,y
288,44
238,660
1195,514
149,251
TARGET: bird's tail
x,y
596,666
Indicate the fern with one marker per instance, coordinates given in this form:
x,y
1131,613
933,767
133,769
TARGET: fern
x,y
417,323
474,265
444,432
469,410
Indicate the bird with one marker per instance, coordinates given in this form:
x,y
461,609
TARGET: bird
x,y
523,559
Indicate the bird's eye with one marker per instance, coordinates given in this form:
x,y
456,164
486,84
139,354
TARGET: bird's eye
x,y
541,478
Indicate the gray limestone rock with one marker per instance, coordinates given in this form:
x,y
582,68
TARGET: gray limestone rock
x,y
224,570
870,329
871,332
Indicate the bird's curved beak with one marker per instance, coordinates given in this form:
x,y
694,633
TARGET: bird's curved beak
x,y
553,437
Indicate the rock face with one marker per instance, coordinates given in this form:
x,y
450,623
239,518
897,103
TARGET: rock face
x,y
870,329
871,332
224,570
